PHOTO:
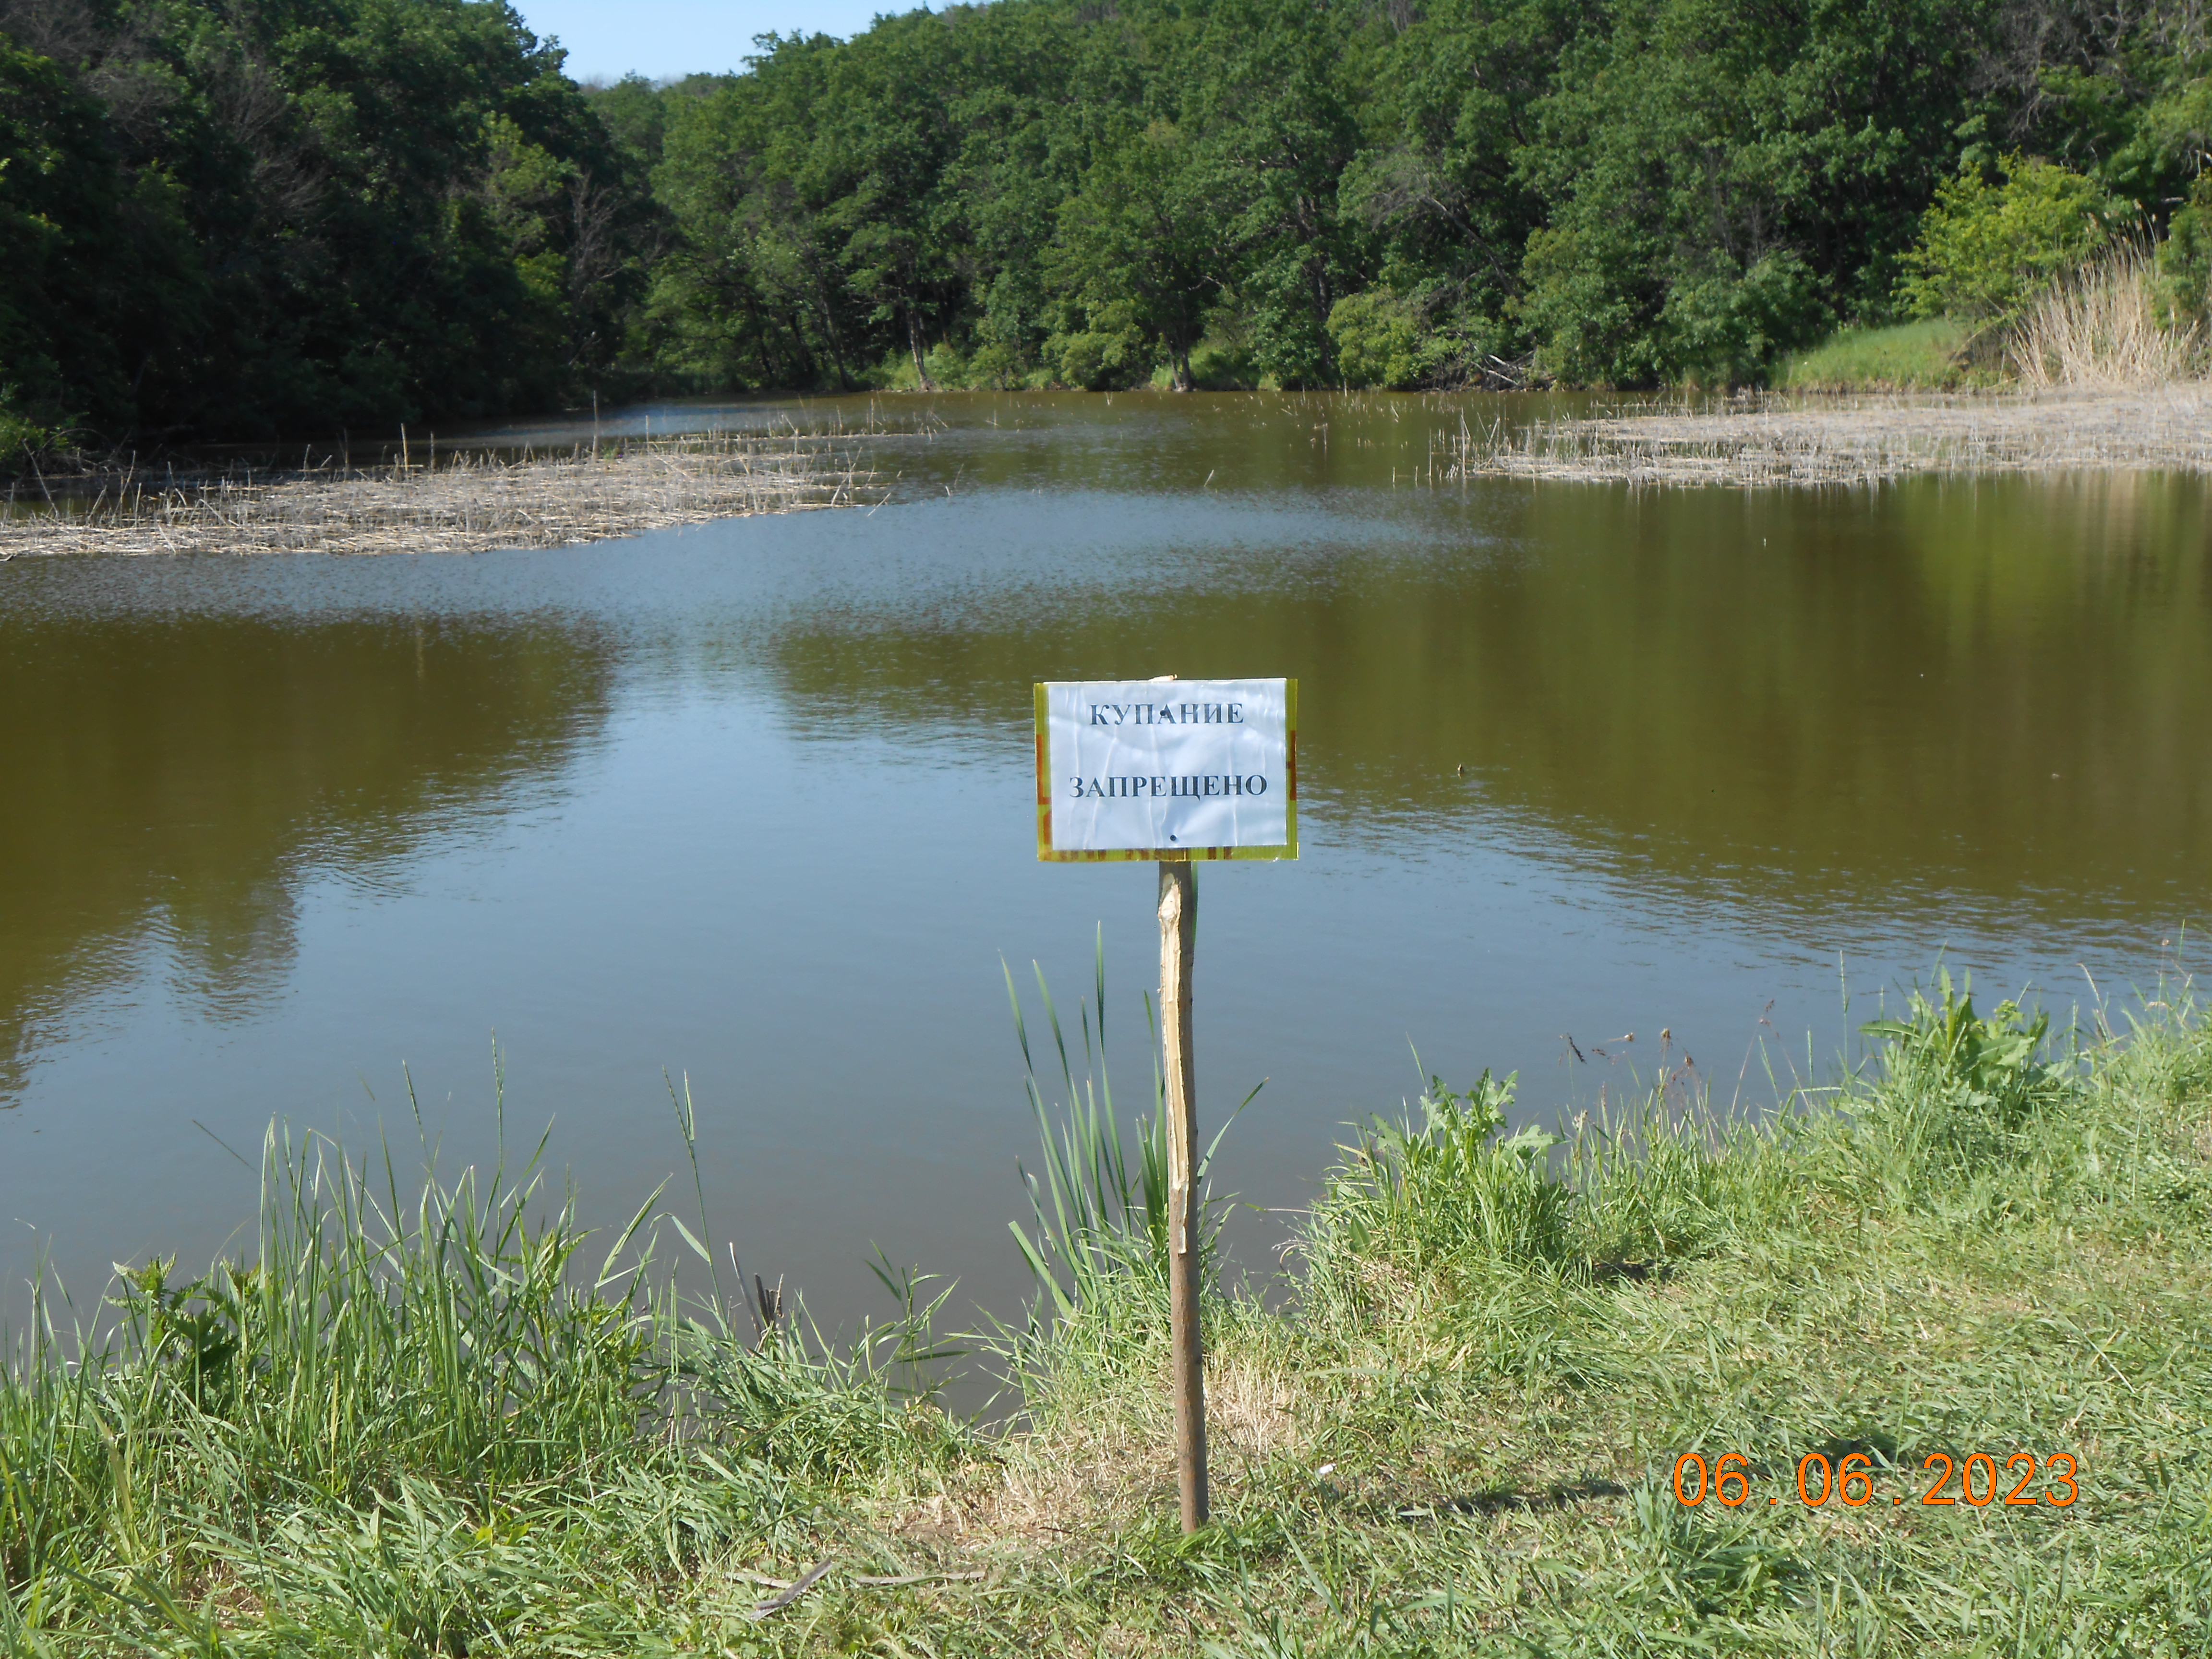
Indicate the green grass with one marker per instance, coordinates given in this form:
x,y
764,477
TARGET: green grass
x,y
1933,356
438,1426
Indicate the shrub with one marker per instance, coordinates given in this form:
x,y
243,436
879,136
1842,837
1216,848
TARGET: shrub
x,y
1986,1067
1101,359
1958,1105
1382,340
1453,1192
1986,251
1725,328
21,439
1225,363
2184,259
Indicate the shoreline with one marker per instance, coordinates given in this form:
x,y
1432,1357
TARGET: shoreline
x,y
472,500
426,1423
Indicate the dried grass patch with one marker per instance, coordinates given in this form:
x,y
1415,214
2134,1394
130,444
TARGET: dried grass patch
x,y
2105,326
471,503
1088,1474
1767,442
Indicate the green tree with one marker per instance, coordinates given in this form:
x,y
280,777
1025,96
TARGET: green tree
x,y
1140,252
303,215
1269,85
81,285
1722,180
227,220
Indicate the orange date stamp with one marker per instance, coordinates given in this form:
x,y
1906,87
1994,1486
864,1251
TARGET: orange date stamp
x,y
1853,1481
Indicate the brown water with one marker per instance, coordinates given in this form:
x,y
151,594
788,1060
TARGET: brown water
x,y
750,802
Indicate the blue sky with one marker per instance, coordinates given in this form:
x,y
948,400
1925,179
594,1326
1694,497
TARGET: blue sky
x,y
607,38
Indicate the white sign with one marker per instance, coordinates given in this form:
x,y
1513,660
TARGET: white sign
x,y
1167,769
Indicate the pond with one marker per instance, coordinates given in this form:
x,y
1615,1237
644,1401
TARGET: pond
x,y
749,804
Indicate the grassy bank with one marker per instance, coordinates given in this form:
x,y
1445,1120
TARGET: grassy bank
x,y
1929,356
418,1426
2116,320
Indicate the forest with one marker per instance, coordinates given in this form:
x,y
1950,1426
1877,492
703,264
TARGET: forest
x,y
271,219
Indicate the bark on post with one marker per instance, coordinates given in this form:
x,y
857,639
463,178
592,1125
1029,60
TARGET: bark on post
x,y
1178,944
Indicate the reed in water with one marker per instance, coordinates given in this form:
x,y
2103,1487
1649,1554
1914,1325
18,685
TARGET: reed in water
x,y
463,502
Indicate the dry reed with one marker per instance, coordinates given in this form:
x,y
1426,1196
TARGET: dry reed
x,y
469,503
2104,327
1767,441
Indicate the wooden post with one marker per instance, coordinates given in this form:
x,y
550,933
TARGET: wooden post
x,y
1178,944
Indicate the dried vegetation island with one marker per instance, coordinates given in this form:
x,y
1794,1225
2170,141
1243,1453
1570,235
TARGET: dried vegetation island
x,y
469,502
1768,439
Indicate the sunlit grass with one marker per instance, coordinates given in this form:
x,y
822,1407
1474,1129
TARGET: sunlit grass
x,y
1929,355
442,1420
421,1422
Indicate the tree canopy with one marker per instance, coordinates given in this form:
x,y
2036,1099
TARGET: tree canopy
x,y
263,217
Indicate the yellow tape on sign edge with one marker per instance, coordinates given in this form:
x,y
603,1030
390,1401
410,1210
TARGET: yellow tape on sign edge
x,y
1288,849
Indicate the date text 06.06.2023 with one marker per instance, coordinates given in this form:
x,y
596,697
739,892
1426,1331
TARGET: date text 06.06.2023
x,y
1851,1480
